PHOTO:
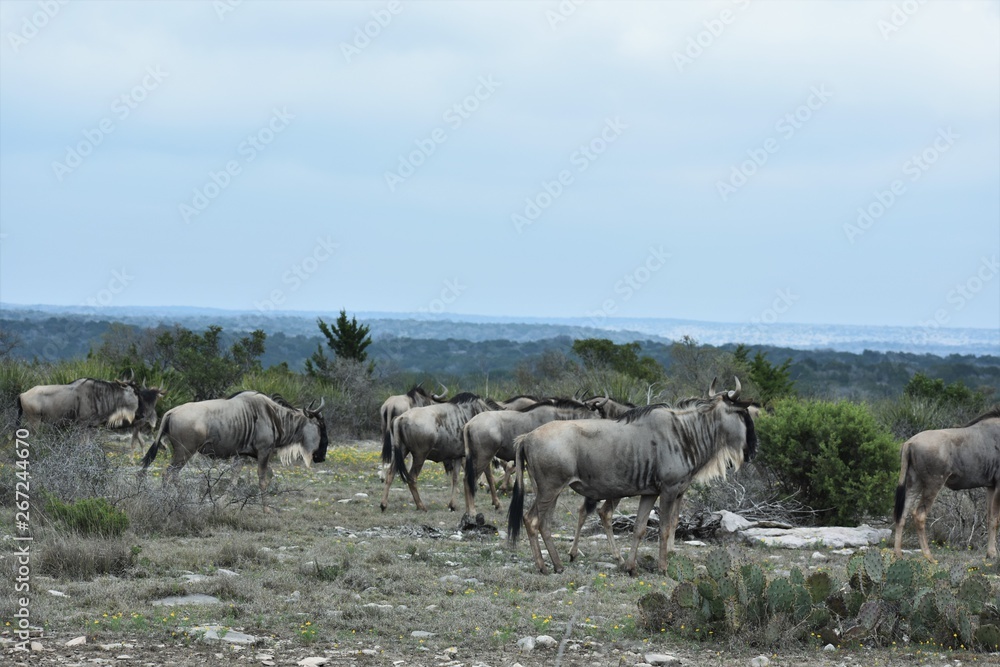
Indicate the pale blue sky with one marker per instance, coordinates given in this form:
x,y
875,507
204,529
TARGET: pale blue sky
x,y
699,160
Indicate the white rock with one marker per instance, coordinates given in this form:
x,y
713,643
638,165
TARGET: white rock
x,y
312,662
662,659
342,502
78,641
380,607
526,644
545,641
829,648
731,523
834,537
421,634
58,594
223,634
695,543
37,646
360,495
430,607
369,651
820,556
227,573
760,661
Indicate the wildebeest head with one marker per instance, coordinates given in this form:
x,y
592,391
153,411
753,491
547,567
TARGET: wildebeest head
x,y
744,408
316,417
146,412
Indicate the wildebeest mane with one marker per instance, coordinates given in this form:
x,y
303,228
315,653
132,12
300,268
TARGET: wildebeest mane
x,y
636,414
280,400
528,396
241,391
464,397
750,451
556,403
995,412
492,405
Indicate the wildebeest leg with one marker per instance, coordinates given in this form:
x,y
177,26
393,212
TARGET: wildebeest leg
x,y
586,507
912,494
531,526
606,513
454,483
545,528
641,519
508,472
264,475
993,520
493,487
928,494
416,465
670,511
390,474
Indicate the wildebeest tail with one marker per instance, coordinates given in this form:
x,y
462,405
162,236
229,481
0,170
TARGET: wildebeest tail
x,y
904,464
470,465
387,436
515,514
155,447
397,452
589,505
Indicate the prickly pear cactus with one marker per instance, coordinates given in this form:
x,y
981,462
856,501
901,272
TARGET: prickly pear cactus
x,y
707,588
856,574
874,566
820,585
974,592
680,568
801,603
900,573
754,579
718,563
780,595
987,638
869,614
685,595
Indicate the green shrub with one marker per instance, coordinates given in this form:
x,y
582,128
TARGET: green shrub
x,y
89,516
834,456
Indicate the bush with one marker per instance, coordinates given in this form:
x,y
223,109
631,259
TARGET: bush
x,y
79,558
90,516
833,455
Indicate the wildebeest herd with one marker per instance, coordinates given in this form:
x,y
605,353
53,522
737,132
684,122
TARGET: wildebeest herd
x,y
603,449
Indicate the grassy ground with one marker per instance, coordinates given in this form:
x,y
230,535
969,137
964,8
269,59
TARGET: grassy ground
x,y
328,574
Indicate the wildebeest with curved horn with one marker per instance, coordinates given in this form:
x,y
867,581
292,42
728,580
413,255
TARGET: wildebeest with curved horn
x,y
650,451
434,433
245,424
416,397
491,434
959,458
91,402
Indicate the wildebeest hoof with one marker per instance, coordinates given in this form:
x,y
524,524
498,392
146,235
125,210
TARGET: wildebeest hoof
x,y
383,507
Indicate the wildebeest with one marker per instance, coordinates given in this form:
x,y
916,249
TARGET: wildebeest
x,y
609,408
91,402
433,432
491,434
650,451
519,402
245,424
959,458
416,397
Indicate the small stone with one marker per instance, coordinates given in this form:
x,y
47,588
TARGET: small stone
x,y
360,495
820,556
662,659
227,573
829,648
77,641
430,607
421,634
369,651
526,644
760,661
123,656
450,579
695,543
58,594
37,646
545,641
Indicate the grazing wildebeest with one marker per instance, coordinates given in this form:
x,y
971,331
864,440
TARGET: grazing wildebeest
x,y
245,424
607,510
92,402
416,397
432,432
959,458
491,434
650,451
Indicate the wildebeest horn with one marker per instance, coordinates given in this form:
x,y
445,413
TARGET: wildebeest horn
x,y
131,376
438,397
322,401
735,393
711,388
